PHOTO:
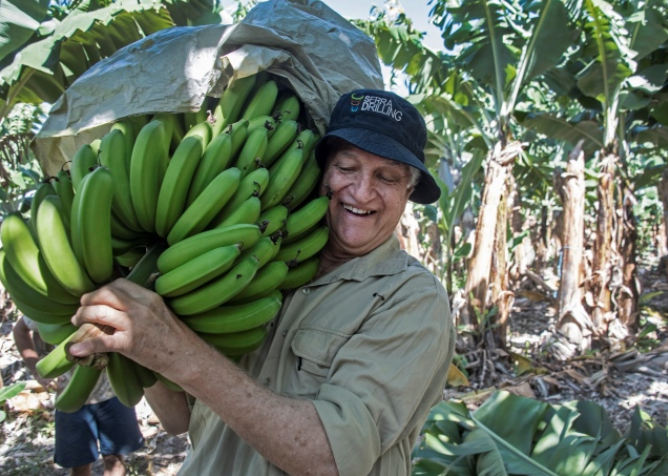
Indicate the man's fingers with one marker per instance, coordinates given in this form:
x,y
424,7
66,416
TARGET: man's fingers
x,y
103,343
101,314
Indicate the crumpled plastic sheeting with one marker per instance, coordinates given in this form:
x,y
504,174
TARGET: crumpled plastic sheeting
x,y
309,48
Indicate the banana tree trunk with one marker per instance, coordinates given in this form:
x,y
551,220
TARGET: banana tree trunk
x,y
518,268
627,300
663,193
604,248
487,243
573,321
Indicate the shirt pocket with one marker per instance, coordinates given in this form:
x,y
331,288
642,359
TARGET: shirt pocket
x,y
316,349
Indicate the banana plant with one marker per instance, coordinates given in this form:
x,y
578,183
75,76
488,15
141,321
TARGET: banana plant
x,y
53,46
504,46
513,435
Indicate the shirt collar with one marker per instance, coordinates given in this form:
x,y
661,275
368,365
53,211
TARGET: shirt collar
x,y
387,259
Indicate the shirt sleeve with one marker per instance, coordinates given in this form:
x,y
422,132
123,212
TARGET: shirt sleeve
x,y
386,377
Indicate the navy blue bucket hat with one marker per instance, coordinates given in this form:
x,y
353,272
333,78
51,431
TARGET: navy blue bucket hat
x,y
384,124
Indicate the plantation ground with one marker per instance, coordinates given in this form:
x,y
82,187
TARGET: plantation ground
x,y
619,381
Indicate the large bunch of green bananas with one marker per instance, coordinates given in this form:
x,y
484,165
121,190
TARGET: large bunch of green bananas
x,y
221,206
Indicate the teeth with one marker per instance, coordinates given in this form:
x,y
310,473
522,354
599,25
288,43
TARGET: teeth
x,y
357,211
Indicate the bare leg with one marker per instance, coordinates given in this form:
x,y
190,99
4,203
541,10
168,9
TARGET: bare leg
x,y
81,470
113,465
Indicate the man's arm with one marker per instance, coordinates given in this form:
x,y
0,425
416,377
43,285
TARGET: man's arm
x,y
26,347
286,431
170,407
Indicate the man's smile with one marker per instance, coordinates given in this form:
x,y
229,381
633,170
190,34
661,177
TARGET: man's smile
x,y
357,211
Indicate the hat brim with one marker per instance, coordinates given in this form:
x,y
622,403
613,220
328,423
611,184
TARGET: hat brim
x,y
426,190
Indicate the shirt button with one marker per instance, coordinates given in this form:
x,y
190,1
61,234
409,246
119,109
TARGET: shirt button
x,y
306,290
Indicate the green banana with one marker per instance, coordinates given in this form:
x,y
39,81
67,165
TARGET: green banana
x,y
237,343
264,250
168,383
78,389
123,379
252,151
218,291
94,225
266,280
146,376
281,139
173,128
120,246
113,150
306,139
55,363
306,183
266,122
40,309
56,248
216,158
203,130
304,219
129,259
197,272
251,185
272,220
248,212
238,131
147,154
193,118
282,175
63,186
44,189
82,163
54,334
174,188
26,259
238,318
232,101
287,106
301,274
119,230
207,205
262,102
304,248
195,245
129,130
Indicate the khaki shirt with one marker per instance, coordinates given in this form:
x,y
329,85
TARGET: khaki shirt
x,y
370,345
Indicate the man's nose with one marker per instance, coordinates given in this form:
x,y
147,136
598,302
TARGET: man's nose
x,y
364,188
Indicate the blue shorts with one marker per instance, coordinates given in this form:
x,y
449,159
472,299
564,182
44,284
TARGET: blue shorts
x,y
110,422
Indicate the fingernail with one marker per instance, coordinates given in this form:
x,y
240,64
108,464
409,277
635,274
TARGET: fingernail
x,y
75,349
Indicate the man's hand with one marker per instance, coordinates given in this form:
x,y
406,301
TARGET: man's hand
x,y
144,329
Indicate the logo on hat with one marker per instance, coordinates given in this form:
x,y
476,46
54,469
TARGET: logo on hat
x,y
355,102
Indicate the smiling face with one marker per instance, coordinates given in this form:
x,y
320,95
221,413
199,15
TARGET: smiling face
x,y
369,194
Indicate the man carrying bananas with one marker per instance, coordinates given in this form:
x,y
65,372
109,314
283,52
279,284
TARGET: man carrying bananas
x,y
355,359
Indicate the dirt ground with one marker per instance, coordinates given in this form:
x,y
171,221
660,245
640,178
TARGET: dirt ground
x,y
619,381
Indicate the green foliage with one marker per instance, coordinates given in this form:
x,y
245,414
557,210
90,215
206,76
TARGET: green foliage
x,y
76,35
512,435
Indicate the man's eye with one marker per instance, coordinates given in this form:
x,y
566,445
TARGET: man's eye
x,y
344,168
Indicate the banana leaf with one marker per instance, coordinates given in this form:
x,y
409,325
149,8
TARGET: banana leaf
x,y
20,21
46,66
513,435
560,129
